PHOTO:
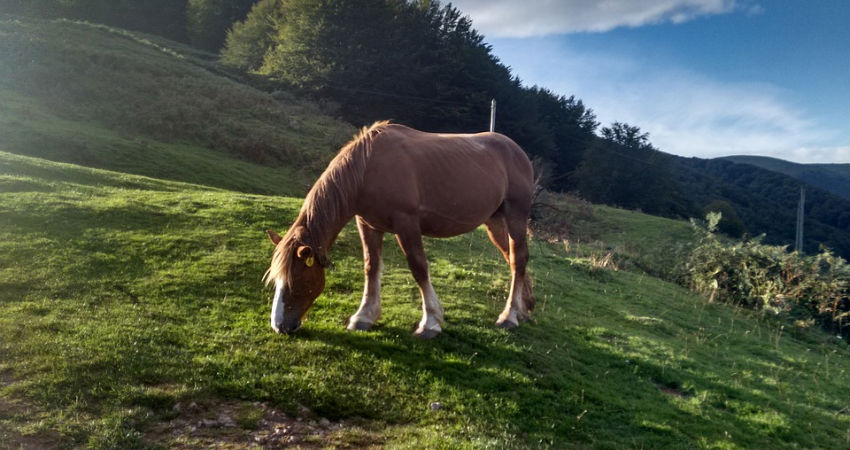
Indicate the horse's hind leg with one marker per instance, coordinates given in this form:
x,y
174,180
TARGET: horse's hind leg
x,y
498,232
497,229
370,305
410,240
509,236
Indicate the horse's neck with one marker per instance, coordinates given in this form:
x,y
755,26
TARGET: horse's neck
x,y
325,218
331,202
324,237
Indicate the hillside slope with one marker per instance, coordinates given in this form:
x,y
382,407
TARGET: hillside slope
x,y
766,202
834,178
68,90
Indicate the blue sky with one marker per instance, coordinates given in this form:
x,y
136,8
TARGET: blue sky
x,y
705,78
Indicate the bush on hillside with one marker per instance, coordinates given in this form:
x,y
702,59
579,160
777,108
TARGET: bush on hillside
x,y
730,224
805,289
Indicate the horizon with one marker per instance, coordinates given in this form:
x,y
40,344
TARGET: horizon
x,y
705,78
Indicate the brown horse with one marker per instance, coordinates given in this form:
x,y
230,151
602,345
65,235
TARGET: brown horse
x,y
395,179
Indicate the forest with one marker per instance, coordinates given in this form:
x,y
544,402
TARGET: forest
x,y
422,63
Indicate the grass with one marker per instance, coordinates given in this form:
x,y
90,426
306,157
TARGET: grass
x,y
132,311
624,239
123,296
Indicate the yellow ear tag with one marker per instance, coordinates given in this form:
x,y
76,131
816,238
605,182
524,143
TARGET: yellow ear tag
x,y
309,261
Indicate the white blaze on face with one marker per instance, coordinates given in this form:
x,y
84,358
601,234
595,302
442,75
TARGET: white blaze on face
x,y
277,306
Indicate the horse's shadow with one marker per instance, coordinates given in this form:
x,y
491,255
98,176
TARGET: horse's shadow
x,y
454,358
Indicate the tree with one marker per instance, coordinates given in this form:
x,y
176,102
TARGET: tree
x,y
623,168
208,21
247,42
627,136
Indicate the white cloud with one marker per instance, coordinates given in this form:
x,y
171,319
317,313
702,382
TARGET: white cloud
x,y
511,18
686,113
689,115
820,154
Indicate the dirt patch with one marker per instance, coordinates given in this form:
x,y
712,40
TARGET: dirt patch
x,y
13,409
674,391
47,441
233,424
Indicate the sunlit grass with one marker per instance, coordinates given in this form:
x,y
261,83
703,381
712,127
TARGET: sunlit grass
x,y
122,296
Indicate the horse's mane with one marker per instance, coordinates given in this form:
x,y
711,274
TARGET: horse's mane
x,y
327,204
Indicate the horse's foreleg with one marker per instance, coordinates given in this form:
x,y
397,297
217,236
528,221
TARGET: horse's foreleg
x,y
432,311
520,301
370,305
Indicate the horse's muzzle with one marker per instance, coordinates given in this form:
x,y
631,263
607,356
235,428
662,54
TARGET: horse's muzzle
x,y
286,328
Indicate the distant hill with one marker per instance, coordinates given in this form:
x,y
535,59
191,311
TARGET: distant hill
x,y
766,202
834,178
753,200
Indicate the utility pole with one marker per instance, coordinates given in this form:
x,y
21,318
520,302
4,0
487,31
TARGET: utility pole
x,y
492,115
800,212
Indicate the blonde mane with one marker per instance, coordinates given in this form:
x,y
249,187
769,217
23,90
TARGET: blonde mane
x,y
327,205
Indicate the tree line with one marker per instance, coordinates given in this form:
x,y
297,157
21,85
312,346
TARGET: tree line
x,y
418,63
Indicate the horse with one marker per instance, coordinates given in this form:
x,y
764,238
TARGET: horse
x,y
394,179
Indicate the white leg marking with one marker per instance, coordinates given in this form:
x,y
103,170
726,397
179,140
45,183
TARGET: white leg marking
x,y
370,304
432,310
277,307
515,307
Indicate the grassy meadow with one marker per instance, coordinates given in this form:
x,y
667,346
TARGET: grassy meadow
x,y
132,312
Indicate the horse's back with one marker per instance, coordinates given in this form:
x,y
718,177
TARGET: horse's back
x,y
452,182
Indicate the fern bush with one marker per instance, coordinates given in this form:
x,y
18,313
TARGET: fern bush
x,y
804,289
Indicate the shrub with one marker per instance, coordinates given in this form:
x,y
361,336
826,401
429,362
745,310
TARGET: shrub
x,y
805,289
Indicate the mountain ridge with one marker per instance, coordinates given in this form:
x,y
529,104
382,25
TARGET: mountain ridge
x,y
832,177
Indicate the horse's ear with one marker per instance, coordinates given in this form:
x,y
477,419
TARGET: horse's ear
x,y
304,252
275,238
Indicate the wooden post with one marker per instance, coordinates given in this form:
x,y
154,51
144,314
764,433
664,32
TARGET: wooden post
x,y
801,208
492,115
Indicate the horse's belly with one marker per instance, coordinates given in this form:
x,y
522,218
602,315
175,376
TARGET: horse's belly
x,y
457,219
442,227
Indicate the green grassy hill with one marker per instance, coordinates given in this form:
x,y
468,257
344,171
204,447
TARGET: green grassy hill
x,y
106,98
132,312
123,299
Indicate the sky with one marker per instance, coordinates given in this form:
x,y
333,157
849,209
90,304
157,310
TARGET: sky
x,y
704,78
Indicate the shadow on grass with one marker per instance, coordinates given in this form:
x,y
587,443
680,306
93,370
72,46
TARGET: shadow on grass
x,y
590,396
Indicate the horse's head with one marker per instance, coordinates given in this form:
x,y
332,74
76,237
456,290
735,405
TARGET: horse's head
x,y
299,276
